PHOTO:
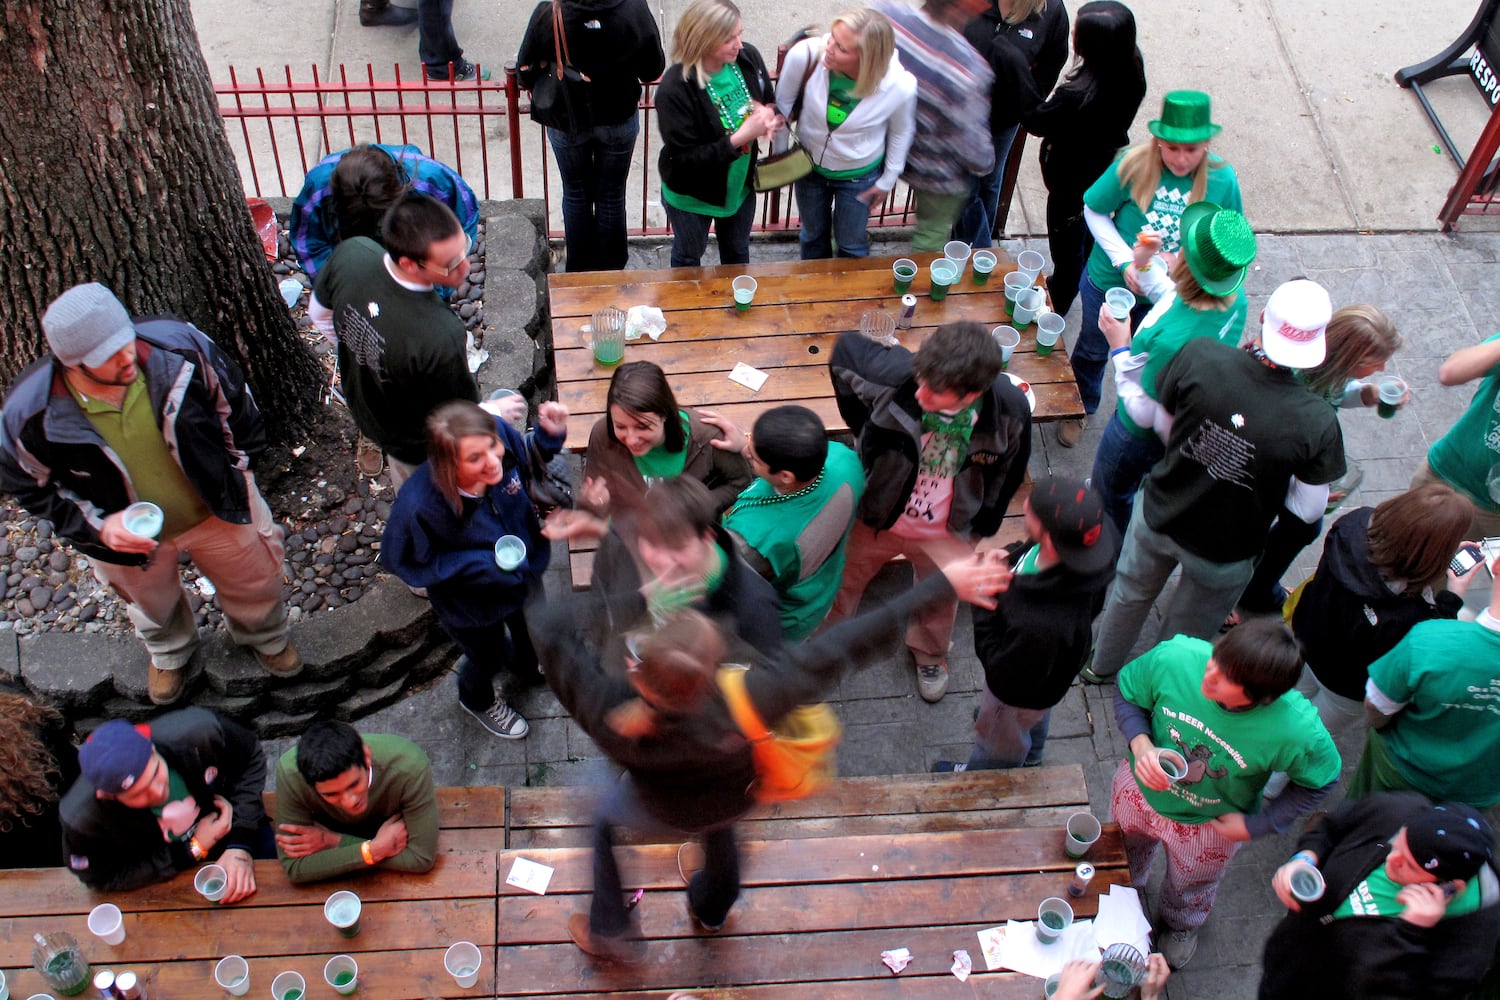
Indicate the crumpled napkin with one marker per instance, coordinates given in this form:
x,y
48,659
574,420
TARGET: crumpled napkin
x,y
897,958
646,320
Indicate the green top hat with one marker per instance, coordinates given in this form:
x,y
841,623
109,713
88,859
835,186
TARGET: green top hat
x,y
1219,246
1184,118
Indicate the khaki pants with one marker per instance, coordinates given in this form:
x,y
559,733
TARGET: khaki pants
x,y
242,561
930,631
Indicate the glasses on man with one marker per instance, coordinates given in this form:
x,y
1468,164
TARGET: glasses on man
x,y
457,263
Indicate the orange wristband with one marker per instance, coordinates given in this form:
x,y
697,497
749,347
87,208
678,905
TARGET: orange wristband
x,y
366,853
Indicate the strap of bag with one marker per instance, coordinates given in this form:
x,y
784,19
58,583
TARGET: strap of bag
x,y
559,40
802,88
732,684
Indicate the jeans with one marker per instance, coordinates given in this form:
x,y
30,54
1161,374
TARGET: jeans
x,y
594,165
1289,536
1122,461
935,214
1205,594
1071,243
711,892
488,652
1090,354
1007,736
976,222
820,200
437,46
690,234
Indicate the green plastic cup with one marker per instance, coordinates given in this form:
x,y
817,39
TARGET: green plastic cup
x,y
944,274
982,264
904,270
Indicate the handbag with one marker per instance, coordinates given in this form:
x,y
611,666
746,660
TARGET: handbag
x,y
780,169
560,97
797,757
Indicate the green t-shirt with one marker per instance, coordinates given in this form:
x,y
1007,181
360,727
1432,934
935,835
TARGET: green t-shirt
x,y
729,94
1230,754
1168,331
1109,196
1029,560
659,463
1465,455
1446,739
1376,897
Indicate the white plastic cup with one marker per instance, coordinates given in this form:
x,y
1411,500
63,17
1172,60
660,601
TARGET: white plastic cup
x,y
744,291
1306,883
1053,917
211,882
342,910
288,986
1120,301
1082,830
1391,390
509,552
1030,263
342,973
233,974
1172,762
1029,303
903,271
981,264
107,923
1049,328
1009,340
144,519
462,961
957,251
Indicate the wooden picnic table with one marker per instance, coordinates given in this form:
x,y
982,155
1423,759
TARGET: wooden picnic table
x,y
800,309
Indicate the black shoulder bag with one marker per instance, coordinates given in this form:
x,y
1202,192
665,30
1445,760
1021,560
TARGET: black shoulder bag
x,y
560,96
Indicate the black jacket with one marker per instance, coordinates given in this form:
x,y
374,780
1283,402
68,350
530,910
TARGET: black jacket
x,y
1027,58
695,149
112,847
877,397
1082,126
615,43
1373,958
1036,640
58,466
1347,618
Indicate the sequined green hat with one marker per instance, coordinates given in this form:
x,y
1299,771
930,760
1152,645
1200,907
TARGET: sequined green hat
x,y
1184,117
1219,246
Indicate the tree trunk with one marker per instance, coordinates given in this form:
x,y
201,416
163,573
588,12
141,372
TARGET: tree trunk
x,y
114,168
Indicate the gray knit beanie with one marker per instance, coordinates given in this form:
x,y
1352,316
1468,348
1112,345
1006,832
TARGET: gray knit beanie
x,y
87,325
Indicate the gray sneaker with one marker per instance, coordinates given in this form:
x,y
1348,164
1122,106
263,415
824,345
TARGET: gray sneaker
x,y
1177,947
932,681
501,720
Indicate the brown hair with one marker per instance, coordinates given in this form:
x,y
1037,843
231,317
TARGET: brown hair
x,y
678,660
1354,333
1192,294
447,425
1413,536
366,182
27,767
641,387
1262,656
677,509
958,357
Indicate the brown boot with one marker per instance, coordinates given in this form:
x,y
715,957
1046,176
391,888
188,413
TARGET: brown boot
x,y
164,687
376,13
1069,431
287,663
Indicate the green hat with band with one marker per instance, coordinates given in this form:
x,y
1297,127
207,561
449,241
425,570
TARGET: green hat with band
x,y
1219,246
1184,117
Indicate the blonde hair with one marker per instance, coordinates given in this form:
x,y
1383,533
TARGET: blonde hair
x,y
1022,9
1141,168
1194,295
877,43
703,27
447,426
1354,333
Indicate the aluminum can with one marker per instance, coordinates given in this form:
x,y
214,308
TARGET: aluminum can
x,y
908,310
1082,875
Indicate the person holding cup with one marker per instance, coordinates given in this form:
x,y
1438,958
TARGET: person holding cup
x,y
855,111
1231,710
1409,908
475,488
1147,189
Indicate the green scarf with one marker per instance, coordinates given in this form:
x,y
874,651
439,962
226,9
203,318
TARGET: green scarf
x,y
664,601
948,442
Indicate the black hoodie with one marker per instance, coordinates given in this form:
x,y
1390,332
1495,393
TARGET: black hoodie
x,y
615,43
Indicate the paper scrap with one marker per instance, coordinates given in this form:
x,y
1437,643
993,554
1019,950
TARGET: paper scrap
x,y
647,320
1120,917
991,943
529,875
962,965
750,378
1025,954
896,958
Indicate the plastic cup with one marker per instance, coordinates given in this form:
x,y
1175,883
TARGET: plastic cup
x,y
288,986
462,962
981,264
1050,986
1049,327
1307,883
233,973
905,269
1082,830
1029,303
1030,263
944,273
1052,918
1009,340
1121,969
211,882
744,291
342,910
1392,390
1120,301
1016,282
342,973
878,325
957,251
144,519
509,552
1172,762
107,924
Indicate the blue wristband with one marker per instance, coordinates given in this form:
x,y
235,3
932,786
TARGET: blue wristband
x,y
1303,856
1119,350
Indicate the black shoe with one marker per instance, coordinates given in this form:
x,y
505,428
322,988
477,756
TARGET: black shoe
x,y
389,16
462,70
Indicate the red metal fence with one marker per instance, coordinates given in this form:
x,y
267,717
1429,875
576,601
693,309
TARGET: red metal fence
x,y
280,128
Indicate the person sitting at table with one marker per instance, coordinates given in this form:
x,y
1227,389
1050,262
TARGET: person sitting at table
x,y
165,796
345,803
944,437
645,438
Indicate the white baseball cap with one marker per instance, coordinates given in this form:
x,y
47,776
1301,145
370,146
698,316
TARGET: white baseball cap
x,y
1292,324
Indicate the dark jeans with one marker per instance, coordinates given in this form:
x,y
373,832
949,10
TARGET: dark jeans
x,y
436,44
832,211
975,224
1070,241
1090,355
488,652
595,165
711,892
1289,535
690,234
1122,461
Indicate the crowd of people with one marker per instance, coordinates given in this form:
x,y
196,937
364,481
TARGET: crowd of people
x,y
717,546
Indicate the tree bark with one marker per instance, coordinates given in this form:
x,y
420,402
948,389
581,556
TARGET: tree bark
x,y
114,167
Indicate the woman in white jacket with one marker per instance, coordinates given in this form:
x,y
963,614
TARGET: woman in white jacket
x,y
856,114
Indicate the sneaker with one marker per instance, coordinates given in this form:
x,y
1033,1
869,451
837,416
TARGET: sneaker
x,y
948,766
623,949
462,70
164,687
932,681
1089,677
699,922
502,721
286,663
1178,947
1069,431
